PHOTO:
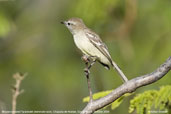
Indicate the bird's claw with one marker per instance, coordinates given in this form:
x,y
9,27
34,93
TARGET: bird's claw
x,y
85,58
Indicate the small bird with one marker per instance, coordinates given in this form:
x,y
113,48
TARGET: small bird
x,y
90,44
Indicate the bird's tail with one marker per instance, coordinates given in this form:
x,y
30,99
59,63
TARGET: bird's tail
x,y
122,75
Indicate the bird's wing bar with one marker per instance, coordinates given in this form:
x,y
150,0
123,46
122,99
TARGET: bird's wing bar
x,y
97,42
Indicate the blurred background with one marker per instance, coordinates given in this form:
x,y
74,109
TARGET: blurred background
x,y
32,40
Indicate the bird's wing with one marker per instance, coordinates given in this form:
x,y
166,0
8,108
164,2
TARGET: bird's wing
x,y
97,42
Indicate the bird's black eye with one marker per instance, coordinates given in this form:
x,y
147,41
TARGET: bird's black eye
x,y
69,23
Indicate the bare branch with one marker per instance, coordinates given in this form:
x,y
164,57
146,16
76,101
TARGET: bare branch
x,y
87,60
128,87
16,90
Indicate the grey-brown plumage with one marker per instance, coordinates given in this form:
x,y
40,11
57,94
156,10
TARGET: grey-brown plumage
x,y
91,44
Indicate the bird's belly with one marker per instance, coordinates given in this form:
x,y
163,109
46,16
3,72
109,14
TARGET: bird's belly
x,y
89,49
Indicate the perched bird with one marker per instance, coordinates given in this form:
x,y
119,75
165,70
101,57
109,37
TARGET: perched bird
x,y
90,44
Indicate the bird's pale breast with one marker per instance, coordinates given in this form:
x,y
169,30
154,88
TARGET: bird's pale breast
x,y
83,43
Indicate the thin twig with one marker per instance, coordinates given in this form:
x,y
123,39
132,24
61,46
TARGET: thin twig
x,y
16,90
87,60
87,73
128,87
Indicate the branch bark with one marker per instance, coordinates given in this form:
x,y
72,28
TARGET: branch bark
x,y
16,90
128,87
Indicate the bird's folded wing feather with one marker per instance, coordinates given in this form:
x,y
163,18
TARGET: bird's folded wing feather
x,y
97,42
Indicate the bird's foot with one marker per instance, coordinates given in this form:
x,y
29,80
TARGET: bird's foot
x,y
85,58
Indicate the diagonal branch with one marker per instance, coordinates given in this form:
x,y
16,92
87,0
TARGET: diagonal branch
x,y
128,87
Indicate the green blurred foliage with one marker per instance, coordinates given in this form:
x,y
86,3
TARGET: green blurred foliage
x,y
92,11
32,40
5,26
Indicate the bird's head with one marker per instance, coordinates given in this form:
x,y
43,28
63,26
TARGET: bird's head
x,y
74,25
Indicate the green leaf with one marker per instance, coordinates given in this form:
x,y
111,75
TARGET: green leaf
x,y
144,102
97,95
117,103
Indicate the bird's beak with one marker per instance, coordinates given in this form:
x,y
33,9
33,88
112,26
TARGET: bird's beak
x,y
62,22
